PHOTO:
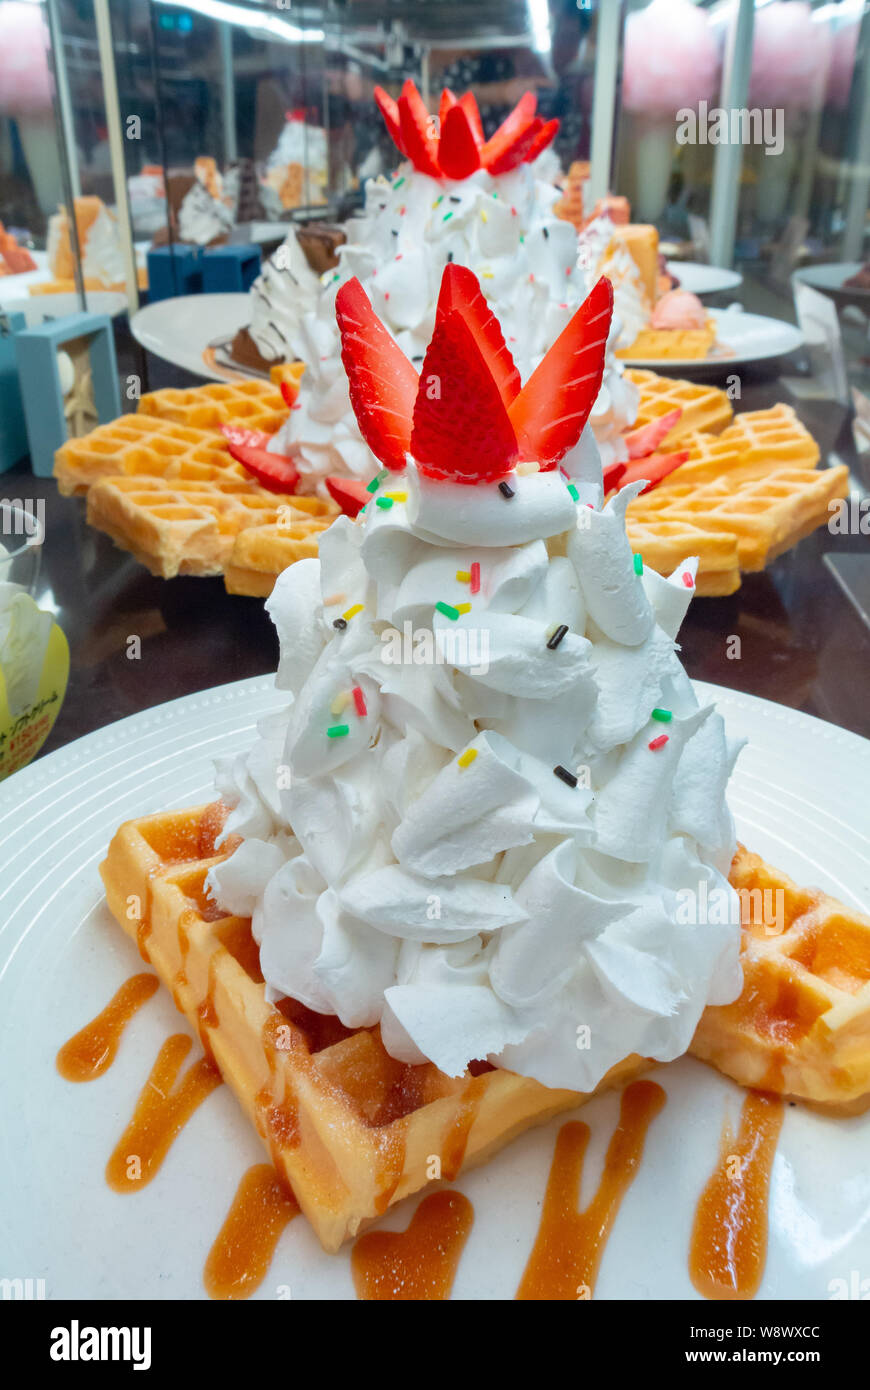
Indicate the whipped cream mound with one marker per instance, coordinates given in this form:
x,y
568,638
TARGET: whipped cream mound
x,y
410,858
503,228
203,219
103,259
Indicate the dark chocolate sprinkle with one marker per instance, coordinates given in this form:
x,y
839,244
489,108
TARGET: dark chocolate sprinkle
x,y
557,636
567,777
506,490
339,624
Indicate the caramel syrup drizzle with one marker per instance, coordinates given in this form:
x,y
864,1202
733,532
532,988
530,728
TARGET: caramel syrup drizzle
x,y
567,1253
240,1257
419,1263
162,1111
92,1050
728,1248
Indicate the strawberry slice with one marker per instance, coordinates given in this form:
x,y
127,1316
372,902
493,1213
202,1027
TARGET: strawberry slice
x,y
460,290
448,99
461,427
646,438
419,144
518,121
289,392
613,476
518,151
383,384
245,438
275,472
390,112
468,103
654,468
349,493
457,148
544,137
549,413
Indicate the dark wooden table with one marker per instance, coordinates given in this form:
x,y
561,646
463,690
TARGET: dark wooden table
x,y
801,641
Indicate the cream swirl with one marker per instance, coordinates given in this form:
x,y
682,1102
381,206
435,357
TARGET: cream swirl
x,y
468,826
504,229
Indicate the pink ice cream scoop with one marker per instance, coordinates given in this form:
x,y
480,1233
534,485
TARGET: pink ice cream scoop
x,y
679,309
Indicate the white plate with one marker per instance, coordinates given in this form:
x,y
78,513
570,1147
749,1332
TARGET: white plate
x,y
17,287
740,339
39,307
797,794
699,278
179,330
829,278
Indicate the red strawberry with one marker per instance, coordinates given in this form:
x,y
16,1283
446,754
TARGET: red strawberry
x,y
518,121
418,141
390,112
245,438
349,493
544,137
469,105
461,427
289,391
646,438
382,382
275,472
516,152
553,406
457,148
613,476
654,467
460,290
447,100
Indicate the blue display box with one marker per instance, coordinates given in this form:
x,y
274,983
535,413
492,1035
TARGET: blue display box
x,y
173,270
39,379
13,429
230,269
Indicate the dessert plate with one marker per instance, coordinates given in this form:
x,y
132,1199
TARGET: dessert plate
x,y
180,330
698,278
798,792
830,279
740,339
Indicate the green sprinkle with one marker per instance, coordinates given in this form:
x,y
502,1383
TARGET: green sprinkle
x,y
338,731
375,483
439,200
448,610
638,564
522,239
574,493
336,276
447,216
664,716
384,502
399,182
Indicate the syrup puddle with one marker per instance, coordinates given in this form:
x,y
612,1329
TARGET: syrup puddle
x,y
728,1249
419,1263
240,1257
162,1111
90,1052
567,1253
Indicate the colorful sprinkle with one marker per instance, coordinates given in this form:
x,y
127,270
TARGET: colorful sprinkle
x,y
448,610
340,702
658,742
398,496
463,607
338,731
688,580
506,490
463,576
567,777
398,183
573,492
483,216
384,503
334,599
352,612
475,577
557,636
638,564
339,624
359,700
523,470
447,216
664,716
467,758
375,483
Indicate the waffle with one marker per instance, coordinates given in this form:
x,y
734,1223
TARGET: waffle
x,y
257,405
757,519
801,1027
703,407
140,445
348,1128
674,344
771,439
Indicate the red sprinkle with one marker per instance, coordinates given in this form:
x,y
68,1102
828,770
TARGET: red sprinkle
x,y
658,742
688,580
475,577
360,701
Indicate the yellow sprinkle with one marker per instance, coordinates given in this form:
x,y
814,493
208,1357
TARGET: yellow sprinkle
x,y
463,607
397,496
483,217
487,275
464,576
352,611
468,757
528,467
334,598
340,702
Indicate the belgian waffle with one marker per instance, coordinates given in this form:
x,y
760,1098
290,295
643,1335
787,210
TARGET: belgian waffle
x,y
772,438
348,1128
674,344
256,405
703,407
801,1027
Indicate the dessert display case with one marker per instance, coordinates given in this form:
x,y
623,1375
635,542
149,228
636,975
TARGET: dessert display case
x,y
444,434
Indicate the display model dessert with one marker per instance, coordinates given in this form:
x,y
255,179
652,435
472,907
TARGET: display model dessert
x,y
99,240
195,208
550,796
297,170
14,259
455,198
